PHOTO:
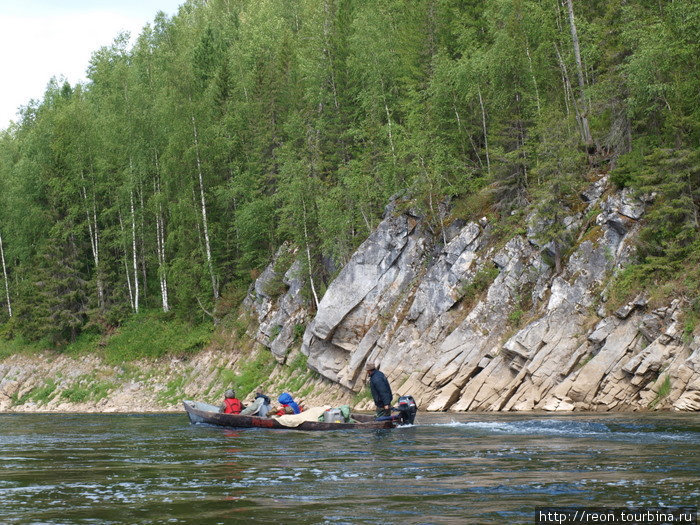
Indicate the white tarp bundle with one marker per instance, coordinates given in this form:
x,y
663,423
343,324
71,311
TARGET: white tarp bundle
x,y
294,420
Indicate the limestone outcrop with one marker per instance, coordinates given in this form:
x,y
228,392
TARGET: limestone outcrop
x,y
476,323
278,305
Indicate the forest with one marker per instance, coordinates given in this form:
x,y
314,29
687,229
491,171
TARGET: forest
x,y
167,181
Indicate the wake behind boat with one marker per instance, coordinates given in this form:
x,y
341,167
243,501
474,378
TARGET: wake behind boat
x,y
209,414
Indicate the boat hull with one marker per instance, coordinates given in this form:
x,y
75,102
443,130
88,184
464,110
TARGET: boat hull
x,y
209,414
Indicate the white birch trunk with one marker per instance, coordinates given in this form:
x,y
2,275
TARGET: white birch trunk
x,y
430,200
579,69
161,269
160,241
327,53
521,134
133,248
163,276
459,128
4,272
486,137
568,89
566,95
532,73
142,233
159,249
94,241
308,255
367,223
126,264
205,224
388,120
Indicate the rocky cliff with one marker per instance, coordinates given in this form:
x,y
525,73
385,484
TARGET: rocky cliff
x,y
467,320
463,319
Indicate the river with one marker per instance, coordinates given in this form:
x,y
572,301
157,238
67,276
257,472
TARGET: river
x,y
447,469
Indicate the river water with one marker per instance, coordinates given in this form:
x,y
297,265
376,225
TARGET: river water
x,y
448,468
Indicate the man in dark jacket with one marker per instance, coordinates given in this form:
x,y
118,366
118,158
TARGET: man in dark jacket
x,y
381,391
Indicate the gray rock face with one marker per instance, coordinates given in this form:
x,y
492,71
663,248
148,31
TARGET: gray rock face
x,y
280,318
364,300
473,325
366,270
593,193
440,288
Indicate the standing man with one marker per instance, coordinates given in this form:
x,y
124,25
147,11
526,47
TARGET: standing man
x,y
381,391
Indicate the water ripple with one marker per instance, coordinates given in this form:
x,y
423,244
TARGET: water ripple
x,y
471,468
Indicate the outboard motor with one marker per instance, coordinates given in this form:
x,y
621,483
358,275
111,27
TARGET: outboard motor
x,y
407,409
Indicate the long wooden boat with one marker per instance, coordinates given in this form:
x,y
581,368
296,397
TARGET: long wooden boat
x,y
209,414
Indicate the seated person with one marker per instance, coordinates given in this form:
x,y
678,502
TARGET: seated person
x,y
231,404
260,407
288,406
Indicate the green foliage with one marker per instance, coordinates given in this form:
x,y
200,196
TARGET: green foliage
x,y
152,335
628,168
173,391
231,297
664,391
275,285
275,331
295,381
298,332
298,364
515,316
19,345
297,375
363,395
626,285
473,206
471,290
691,321
101,389
40,395
253,373
669,243
76,393
240,327
84,344
506,227
558,170
226,377
673,230
87,388
185,160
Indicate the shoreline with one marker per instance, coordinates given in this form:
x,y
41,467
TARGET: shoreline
x,y
54,383
424,412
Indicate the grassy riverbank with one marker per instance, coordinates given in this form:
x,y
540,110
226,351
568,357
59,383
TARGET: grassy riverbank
x,y
151,334
149,364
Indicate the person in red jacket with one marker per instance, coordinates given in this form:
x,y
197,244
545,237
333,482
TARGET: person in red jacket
x,y
232,405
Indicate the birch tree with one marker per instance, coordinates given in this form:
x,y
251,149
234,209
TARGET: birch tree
x,y
4,273
583,115
203,209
